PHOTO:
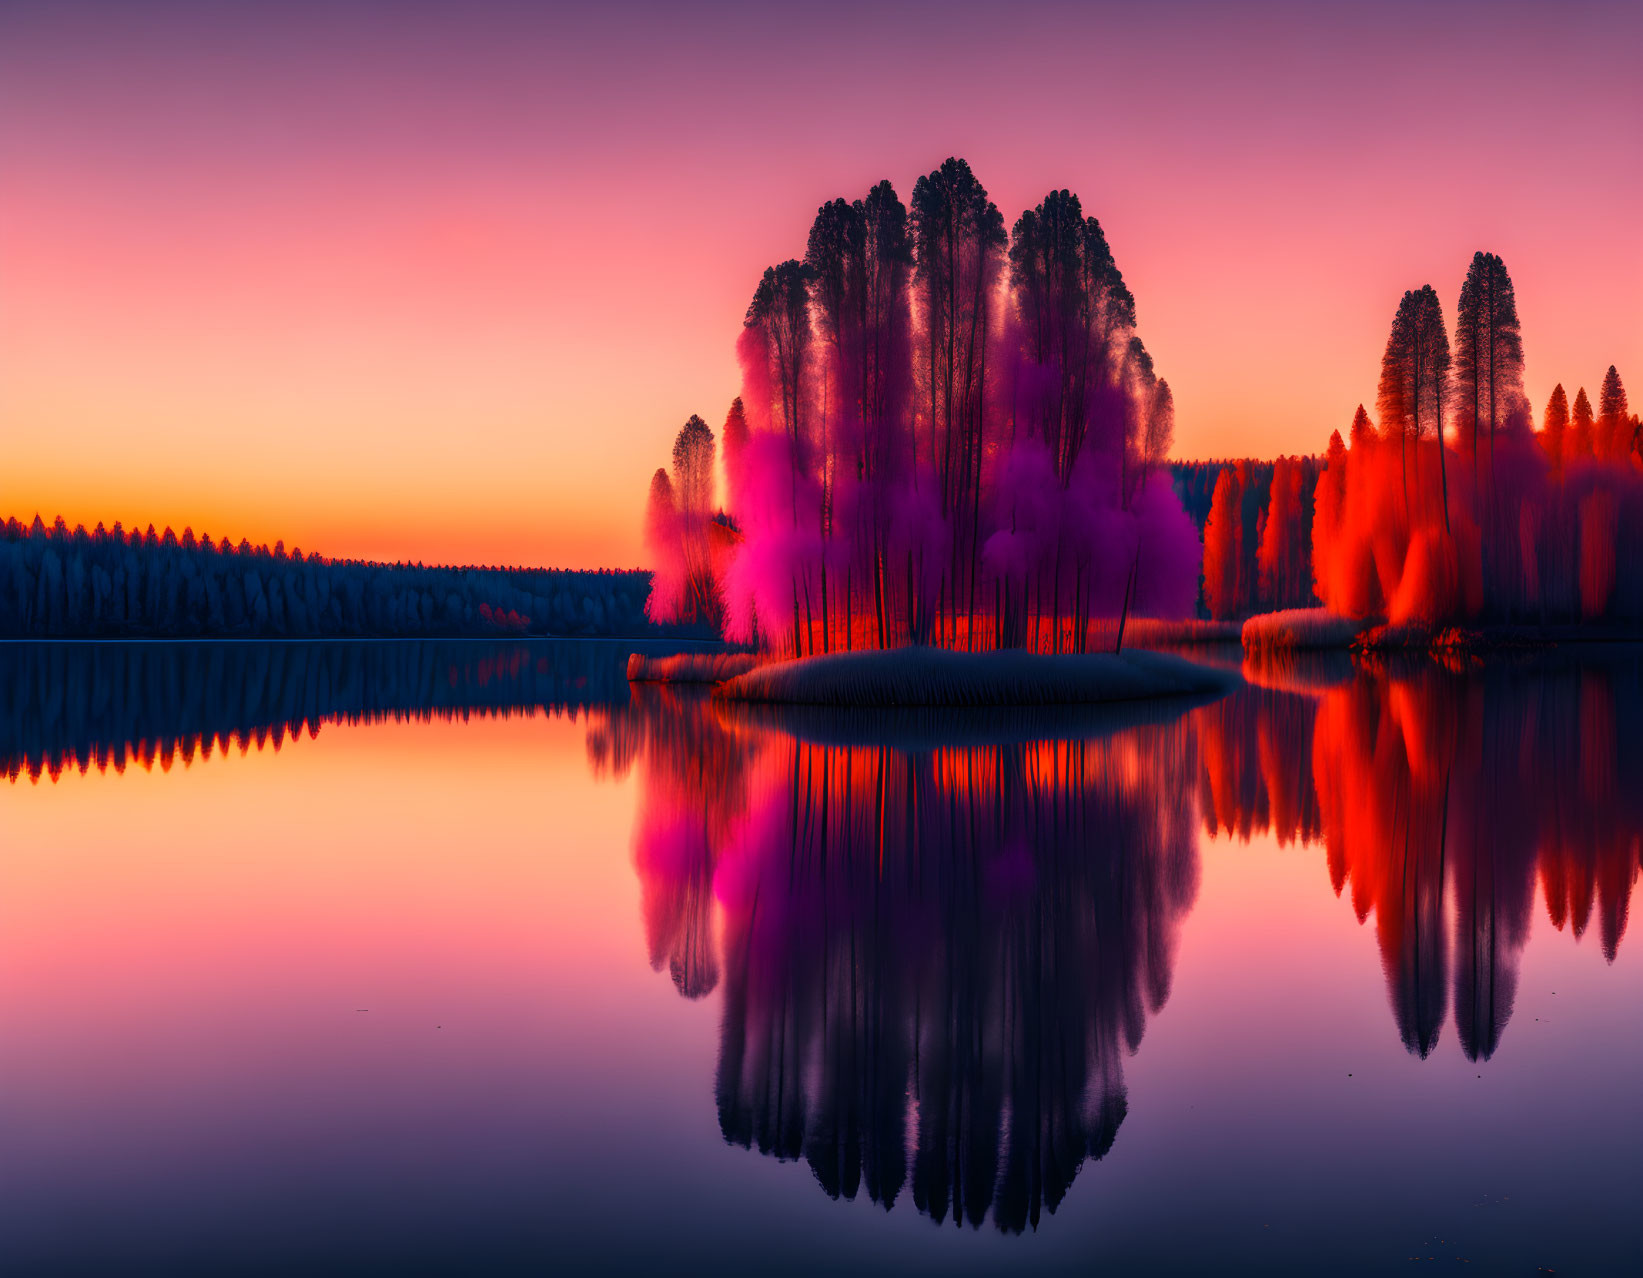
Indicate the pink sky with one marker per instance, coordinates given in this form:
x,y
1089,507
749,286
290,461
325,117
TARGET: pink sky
x,y
441,283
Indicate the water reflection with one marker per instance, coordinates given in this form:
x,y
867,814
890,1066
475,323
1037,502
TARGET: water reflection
x,y
83,705
937,939
934,957
1442,792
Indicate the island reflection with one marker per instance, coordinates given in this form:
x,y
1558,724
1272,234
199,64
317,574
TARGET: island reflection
x,y
934,957
935,949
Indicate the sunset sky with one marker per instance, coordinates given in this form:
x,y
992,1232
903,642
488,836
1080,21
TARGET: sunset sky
x,y
440,282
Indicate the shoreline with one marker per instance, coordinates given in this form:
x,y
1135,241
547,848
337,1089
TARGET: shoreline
x,y
1317,629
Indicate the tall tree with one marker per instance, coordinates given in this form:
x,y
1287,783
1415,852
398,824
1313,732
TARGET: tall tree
x,y
780,315
665,549
1554,428
1329,502
735,435
888,442
1160,434
693,468
1363,429
1285,535
835,255
693,498
1432,379
958,235
1614,427
780,312
1488,354
1076,317
958,242
1223,547
887,259
1414,379
1581,422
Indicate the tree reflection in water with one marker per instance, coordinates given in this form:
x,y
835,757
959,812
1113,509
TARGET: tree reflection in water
x,y
1442,792
938,937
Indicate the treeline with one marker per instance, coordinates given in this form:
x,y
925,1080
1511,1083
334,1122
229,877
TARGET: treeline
x,y
1452,507
57,582
1255,518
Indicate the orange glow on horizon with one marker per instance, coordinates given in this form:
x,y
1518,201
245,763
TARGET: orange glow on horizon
x,y
451,300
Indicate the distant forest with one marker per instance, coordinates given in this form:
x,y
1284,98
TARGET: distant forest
x,y
1273,537
58,582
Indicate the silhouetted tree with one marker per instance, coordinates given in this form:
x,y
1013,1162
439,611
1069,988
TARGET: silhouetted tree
x,y
1613,424
780,313
1488,354
1414,376
1554,428
958,241
1581,440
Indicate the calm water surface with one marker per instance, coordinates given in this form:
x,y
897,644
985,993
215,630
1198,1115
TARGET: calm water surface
x,y
459,957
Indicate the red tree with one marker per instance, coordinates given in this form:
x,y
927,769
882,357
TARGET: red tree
x,y
1223,546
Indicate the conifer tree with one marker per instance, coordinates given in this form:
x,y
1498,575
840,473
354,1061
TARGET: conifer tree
x,y
1555,428
1581,435
1329,499
958,242
1363,430
693,495
780,313
1414,378
1613,424
1488,355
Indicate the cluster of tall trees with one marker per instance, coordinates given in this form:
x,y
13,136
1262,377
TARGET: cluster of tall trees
x,y
685,538
1452,506
947,434
62,582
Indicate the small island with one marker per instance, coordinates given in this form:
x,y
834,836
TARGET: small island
x,y
923,677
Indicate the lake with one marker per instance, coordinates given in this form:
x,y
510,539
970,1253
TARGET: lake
x,y
459,956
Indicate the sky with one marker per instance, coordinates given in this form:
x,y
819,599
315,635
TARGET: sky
x,y
440,282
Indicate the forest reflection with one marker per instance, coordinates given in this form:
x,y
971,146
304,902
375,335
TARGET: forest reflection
x,y
1443,792
937,940
75,706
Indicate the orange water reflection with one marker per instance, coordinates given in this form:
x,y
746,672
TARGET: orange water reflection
x,y
1442,793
